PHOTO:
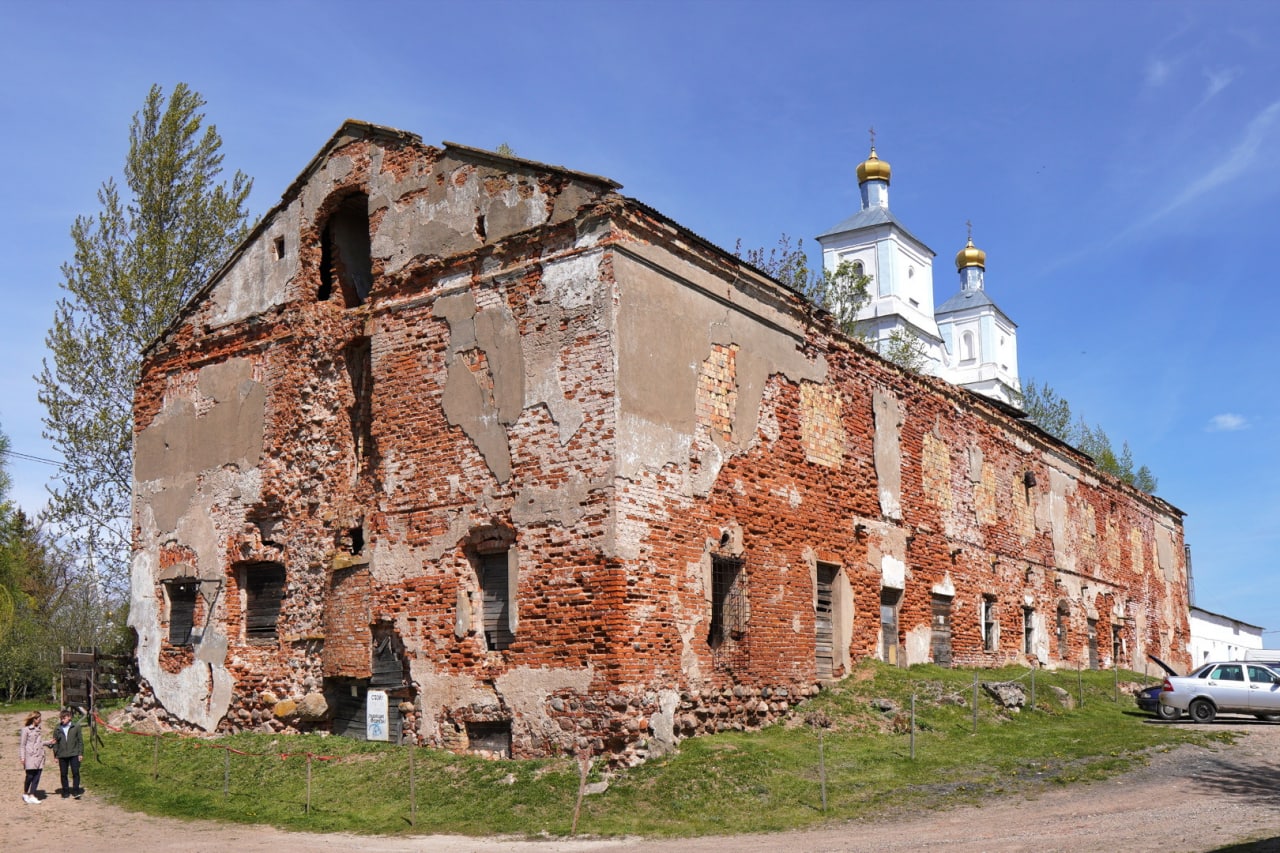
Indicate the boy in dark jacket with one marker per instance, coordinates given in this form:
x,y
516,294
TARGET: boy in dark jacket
x,y
68,746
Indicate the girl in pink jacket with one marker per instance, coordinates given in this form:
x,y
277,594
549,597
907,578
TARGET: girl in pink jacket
x,y
31,755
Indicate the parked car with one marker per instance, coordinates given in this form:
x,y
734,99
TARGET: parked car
x,y
1148,698
1234,687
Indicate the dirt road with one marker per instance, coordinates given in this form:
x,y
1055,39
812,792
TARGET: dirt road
x,y
1188,800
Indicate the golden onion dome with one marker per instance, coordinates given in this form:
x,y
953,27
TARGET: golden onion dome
x,y
970,256
873,169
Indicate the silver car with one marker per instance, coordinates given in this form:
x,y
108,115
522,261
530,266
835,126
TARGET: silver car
x,y
1235,687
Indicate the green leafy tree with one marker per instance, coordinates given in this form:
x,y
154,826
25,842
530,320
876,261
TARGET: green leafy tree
x,y
1049,411
1052,413
136,262
842,291
905,348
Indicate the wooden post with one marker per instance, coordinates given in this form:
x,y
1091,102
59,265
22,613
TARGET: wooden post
x,y
913,727
822,768
1080,683
584,768
226,773
1033,689
413,791
975,701
155,760
1115,667
308,783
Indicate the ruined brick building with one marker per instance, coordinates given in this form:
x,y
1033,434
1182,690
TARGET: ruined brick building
x,y
558,474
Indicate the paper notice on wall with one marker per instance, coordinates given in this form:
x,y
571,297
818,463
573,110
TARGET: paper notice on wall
x,y
377,726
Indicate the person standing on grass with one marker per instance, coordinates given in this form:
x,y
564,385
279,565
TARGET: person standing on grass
x,y
68,746
31,756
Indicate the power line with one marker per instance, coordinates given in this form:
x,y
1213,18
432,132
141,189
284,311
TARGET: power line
x,y
29,458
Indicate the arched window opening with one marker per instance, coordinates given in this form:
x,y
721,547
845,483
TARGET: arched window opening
x,y
967,349
345,259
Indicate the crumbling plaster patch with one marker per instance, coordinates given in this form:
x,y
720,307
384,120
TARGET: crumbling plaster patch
x,y
665,332
888,416
200,693
194,461
258,280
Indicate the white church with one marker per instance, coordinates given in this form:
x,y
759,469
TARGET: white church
x,y
968,340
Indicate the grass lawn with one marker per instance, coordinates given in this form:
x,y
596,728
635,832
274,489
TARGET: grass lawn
x,y
731,782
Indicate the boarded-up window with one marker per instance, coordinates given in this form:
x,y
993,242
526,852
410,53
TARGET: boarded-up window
x,y
495,594
1093,643
1064,615
728,599
263,585
1028,631
182,610
350,710
824,621
940,636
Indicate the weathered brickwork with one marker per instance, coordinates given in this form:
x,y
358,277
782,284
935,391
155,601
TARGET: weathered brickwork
x,y
562,477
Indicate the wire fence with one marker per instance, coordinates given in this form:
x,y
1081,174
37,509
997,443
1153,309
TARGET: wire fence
x,y
195,766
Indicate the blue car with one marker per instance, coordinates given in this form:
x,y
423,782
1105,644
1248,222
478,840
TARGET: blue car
x,y
1148,698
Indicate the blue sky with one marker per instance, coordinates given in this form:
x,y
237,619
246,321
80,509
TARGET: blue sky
x,y
1120,162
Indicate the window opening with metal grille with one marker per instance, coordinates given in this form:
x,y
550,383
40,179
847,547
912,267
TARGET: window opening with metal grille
x,y
889,600
182,611
989,635
940,639
728,599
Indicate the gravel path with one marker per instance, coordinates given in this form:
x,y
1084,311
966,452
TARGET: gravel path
x,y
1188,800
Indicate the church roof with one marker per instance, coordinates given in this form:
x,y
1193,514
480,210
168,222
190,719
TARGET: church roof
x,y
867,218
970,299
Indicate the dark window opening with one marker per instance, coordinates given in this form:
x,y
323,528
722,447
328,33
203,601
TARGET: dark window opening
x,y
495,596
359,359
728,599
356,537
1117,645
940,639
264,587
492,737
889,600
345,259
182,611
1028,631
1093,644
279,245
1063,619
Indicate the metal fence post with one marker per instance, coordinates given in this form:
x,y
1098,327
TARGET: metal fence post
x,y
975,701
913,727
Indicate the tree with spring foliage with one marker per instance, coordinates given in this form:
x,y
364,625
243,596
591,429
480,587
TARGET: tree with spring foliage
x,y
842,291
1052,413
136,262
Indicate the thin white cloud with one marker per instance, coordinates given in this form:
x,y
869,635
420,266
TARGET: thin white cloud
x,y
1218,80
1157,72
1227,422
1239,160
